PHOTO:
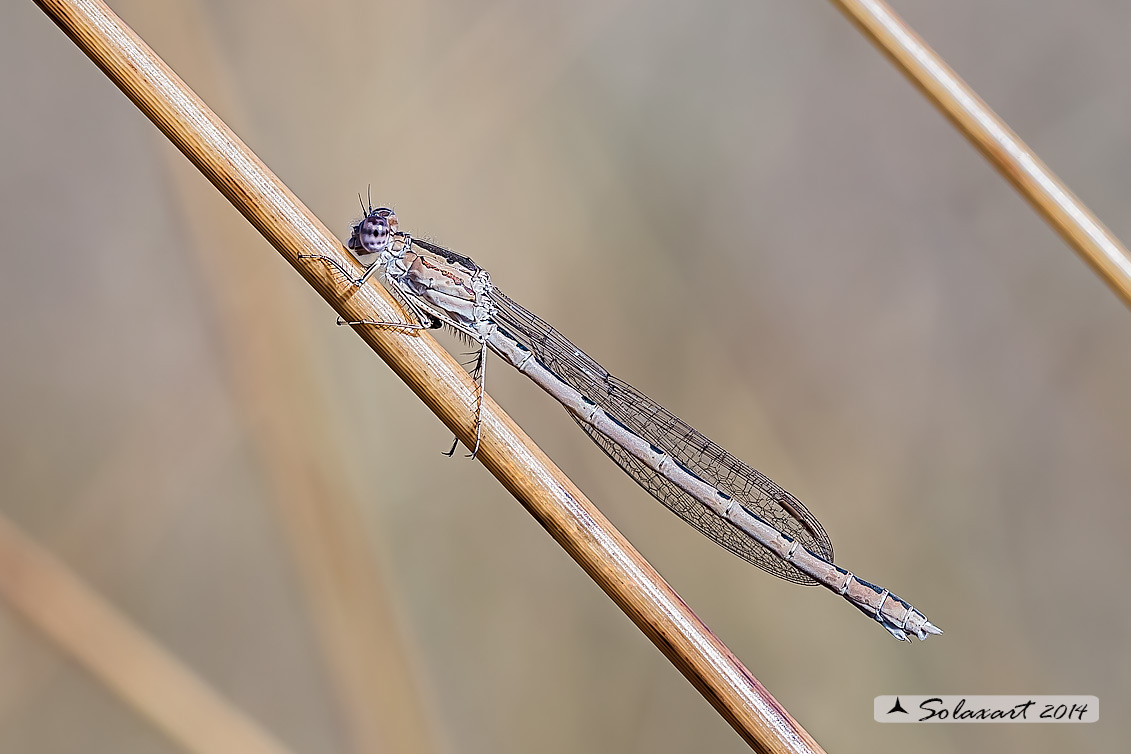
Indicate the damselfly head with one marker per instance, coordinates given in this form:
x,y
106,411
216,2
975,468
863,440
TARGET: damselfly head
x,y
374,233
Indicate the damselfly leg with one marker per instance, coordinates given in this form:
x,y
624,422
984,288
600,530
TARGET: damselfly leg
x,y
425,321
358,282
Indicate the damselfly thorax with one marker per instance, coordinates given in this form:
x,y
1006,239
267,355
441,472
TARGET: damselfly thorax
x,y
449,287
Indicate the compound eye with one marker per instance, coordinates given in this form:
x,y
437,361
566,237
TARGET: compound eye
x,y
374,234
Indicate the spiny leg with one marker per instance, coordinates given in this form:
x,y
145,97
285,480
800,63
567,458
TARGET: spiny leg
x,y
481,368
338,265
479,374
398,325
424,321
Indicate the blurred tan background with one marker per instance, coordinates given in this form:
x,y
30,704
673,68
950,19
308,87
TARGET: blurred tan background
x,y
741,208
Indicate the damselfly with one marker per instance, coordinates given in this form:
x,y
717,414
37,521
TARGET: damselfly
x,y
725,499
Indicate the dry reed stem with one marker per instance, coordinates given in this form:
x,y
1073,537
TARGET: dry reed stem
x,y
121,655
434,376
269,369
1001,146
